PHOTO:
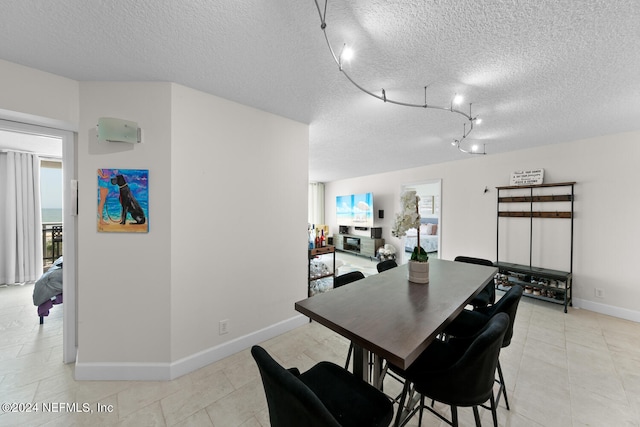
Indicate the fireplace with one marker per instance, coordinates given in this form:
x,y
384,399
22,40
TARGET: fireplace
x,y
352,244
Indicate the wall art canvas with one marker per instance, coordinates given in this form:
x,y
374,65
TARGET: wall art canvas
x,y
123,200
355,209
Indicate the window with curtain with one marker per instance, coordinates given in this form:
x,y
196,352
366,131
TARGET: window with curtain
x,y
51,191
316,203
20,218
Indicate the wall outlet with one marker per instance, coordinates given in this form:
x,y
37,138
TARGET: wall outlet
x,y
223,327
599,293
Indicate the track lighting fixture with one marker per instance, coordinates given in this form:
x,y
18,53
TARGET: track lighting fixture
x,y
346,54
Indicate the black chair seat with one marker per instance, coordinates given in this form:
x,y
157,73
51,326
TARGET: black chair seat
x,y
325,395
352,401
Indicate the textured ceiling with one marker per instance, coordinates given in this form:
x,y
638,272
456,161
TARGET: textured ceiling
x,y
538,72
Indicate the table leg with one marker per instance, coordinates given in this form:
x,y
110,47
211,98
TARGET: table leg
x,y
360,362
361,366
377,371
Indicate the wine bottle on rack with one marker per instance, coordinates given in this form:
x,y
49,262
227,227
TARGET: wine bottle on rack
x,y
311,241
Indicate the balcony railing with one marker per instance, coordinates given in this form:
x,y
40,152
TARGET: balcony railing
x,y
51,242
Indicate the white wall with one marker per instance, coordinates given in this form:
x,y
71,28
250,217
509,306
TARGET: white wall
x,y
605,169
36,97
124,279
239,210
227,200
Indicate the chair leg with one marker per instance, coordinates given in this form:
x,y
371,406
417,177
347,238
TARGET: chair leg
x,y
421,410
346,365
407,405
494,413
405,390
454,416
476,416
386,372
503,388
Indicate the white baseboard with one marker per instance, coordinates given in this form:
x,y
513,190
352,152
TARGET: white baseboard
x,y
206,357
610,310
103,371
167,371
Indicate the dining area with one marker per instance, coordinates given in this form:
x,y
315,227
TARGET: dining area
x,y
573,369
411,345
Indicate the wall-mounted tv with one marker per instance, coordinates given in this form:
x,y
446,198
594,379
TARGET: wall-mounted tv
x,y
355,210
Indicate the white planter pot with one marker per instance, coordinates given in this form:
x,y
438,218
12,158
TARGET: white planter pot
x,y
418,272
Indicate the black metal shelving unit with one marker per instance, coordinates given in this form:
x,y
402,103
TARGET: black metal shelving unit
x,y
311,255
540,283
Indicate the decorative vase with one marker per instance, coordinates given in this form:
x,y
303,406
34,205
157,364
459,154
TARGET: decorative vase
x,y
418,272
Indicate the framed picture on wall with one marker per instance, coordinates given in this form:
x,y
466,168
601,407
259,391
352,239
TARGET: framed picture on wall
x,y
427,205
123,200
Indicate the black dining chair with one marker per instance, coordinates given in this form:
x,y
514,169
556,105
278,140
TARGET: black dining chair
x,y
324,396
347,278
459,372
386,265
468,323
488,294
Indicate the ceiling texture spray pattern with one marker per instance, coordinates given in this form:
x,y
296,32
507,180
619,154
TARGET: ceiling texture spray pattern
x,y
537,72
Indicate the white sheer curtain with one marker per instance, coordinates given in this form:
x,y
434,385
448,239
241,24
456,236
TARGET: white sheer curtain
x,y
316,203
20,218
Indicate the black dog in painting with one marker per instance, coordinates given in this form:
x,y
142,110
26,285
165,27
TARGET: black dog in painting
x,y
129,203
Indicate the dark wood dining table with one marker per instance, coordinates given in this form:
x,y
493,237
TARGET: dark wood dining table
x,y
393,318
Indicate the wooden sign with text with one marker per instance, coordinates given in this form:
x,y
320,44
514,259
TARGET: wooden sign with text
x,y
530,177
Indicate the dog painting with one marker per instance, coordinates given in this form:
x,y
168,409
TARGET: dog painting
x,y
123,196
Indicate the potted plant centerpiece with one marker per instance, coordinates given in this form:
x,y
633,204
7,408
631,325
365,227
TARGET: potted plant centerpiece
x,y
405,220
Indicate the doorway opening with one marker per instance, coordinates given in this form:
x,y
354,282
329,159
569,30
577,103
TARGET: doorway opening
x,y
429,207
39,140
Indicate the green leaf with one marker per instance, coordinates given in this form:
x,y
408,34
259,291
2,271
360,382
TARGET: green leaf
x,y
419,254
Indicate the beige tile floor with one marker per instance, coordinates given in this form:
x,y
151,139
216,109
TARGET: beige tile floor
x,y
575,369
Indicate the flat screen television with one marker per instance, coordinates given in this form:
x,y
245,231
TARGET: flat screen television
x,y
355,210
